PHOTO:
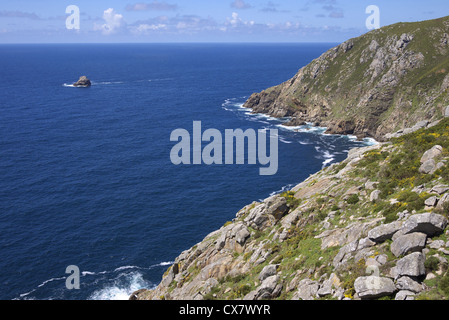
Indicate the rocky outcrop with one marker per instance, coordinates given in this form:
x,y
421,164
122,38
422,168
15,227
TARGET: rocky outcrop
x,y
83,82
364,86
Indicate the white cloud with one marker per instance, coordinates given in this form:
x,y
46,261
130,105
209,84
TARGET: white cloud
x,y
236,21
153,6
145,28
113,22
240,4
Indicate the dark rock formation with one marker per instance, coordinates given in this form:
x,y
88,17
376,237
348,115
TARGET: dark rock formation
x,y
83,82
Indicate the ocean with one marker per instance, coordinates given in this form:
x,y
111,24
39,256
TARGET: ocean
x,y
85,173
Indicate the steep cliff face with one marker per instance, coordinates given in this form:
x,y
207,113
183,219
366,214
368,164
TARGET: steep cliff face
x,y
383,81
373,226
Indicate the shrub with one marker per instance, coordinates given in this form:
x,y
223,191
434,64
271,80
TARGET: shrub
x,y
432,264
353,199
292,202
444,285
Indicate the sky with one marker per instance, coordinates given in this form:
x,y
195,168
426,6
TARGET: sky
x,y
155,21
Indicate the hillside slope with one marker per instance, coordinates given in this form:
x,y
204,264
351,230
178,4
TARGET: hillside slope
x,y
371,227
383,81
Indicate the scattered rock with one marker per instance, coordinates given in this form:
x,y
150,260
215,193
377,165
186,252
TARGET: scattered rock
x,y
428,167
412,242
409,284
432,153
444,199
429,223
440,189
375,195
370,185
405,295
307,290
268,213
446,112
431,202
437,244
269,289
328,285
411,265
373,287
384,231
268,271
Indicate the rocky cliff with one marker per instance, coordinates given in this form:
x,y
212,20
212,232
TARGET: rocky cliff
x,y
371,227
383,81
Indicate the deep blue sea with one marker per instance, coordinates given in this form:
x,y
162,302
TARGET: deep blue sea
x,y
85,173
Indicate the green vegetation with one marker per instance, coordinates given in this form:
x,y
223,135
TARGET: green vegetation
x,y
292,202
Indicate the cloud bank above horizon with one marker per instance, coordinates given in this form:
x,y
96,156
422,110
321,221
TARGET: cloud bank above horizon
x,y
26,21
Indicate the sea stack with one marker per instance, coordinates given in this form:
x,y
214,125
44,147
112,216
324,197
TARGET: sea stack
x,y
83,82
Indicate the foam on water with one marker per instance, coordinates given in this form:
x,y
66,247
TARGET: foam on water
x,y
122,287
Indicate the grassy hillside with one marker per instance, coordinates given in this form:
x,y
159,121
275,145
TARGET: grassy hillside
x,y
317,240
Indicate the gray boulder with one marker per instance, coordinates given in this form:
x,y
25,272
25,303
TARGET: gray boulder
x,y
429,223
373,287
409,284
444,199
428,167
405,295
431,202
440,189
384,231
268,213
432,153
411,265
412,242
375,195
307,290
270,288
268,271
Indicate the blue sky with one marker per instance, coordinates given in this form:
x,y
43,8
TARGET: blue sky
x,y
31,21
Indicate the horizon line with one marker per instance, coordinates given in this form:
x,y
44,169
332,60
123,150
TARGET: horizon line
x,y
178,42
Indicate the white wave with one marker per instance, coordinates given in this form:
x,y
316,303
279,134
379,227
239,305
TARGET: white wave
x,y
125,268
370,141
283,189
68,85
305,143
24,295
90,273
113,292
122,287
106,82
328,158
283,140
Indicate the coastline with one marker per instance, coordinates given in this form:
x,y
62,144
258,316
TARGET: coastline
x,y
317,239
